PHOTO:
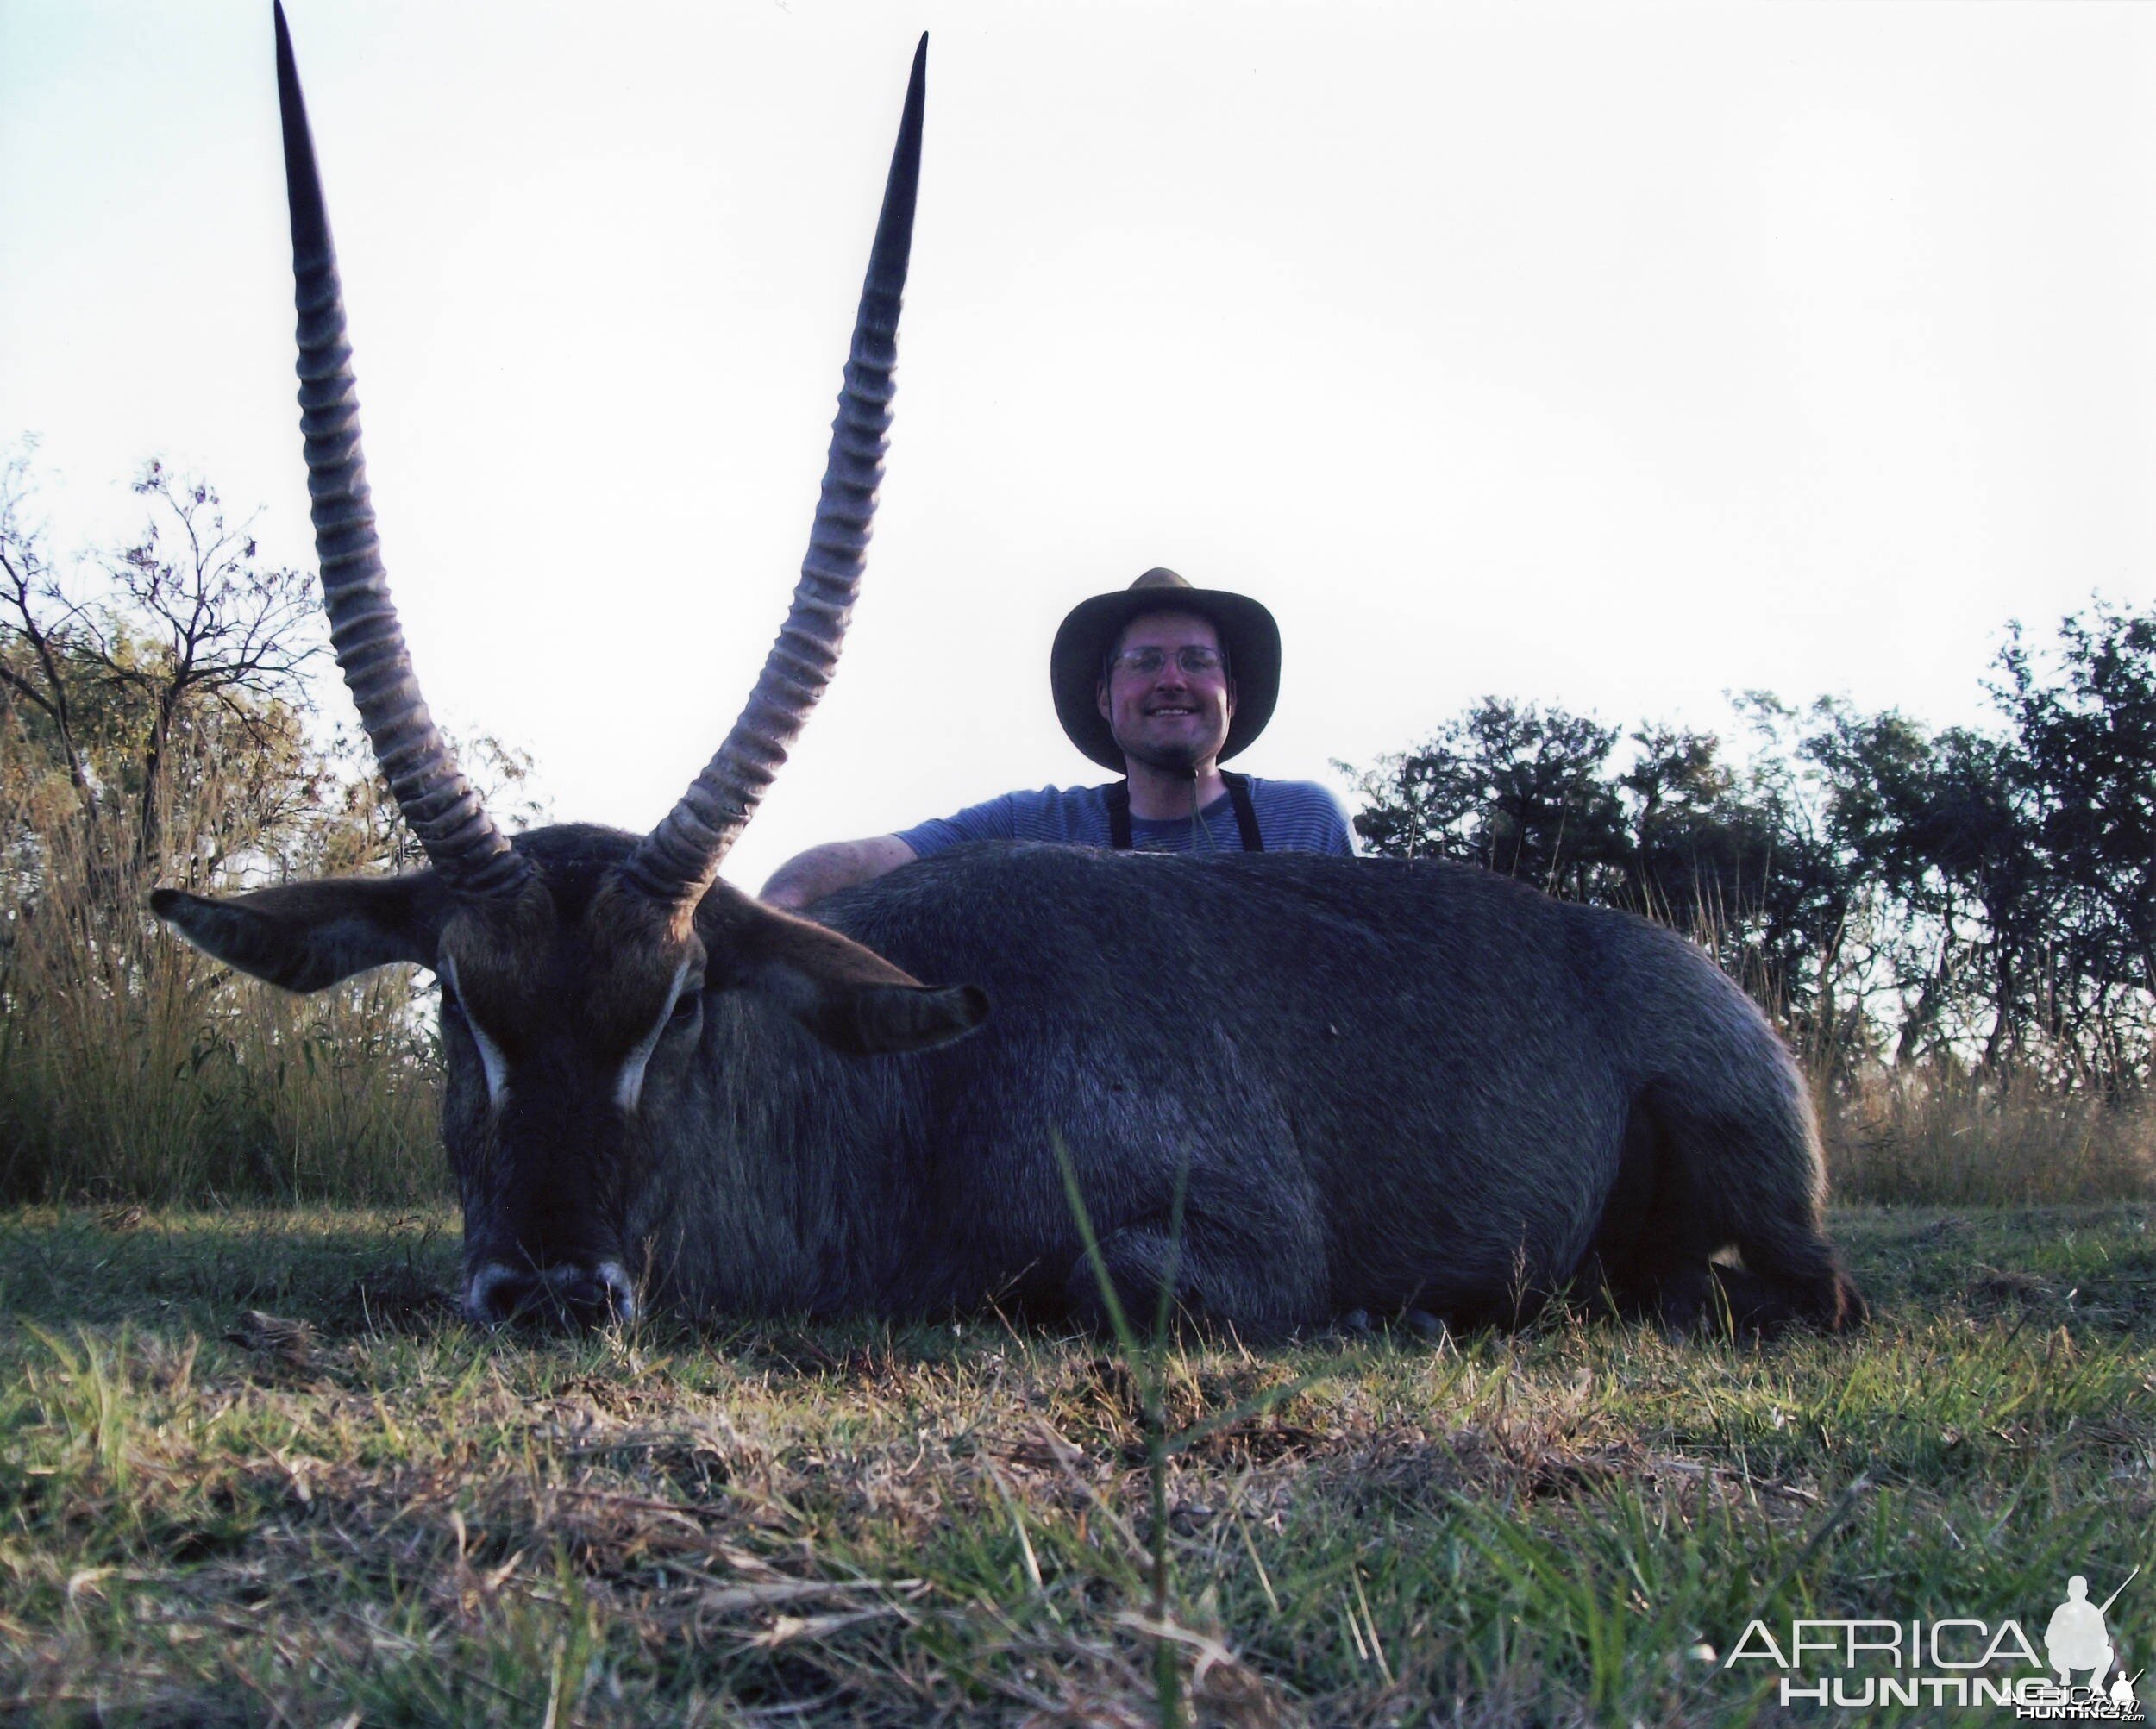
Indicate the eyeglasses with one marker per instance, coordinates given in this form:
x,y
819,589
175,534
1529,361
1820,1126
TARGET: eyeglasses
x,y
1143,663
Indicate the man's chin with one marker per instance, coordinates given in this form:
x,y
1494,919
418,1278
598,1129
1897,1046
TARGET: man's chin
x,y
1171,758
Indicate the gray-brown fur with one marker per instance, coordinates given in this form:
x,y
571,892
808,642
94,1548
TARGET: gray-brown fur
x,y
1380,1085
1393,1086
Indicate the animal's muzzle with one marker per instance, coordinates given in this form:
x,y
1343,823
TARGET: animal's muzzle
x,y
566,1293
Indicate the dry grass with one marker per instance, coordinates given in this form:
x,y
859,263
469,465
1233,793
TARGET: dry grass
x,y
1941,1138
133,1068
253,1469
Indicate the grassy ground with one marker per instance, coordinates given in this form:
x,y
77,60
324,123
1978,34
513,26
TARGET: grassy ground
x,y
252,1469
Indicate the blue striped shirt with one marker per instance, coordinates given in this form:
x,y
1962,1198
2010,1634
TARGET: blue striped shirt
x,y
1293,816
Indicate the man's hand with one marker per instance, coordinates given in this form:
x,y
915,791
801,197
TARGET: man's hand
x,y
808,877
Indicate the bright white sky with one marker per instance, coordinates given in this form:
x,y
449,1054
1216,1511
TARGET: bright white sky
x,y
1612,356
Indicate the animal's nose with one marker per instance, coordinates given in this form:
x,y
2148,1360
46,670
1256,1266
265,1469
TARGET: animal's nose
x,y
570,1293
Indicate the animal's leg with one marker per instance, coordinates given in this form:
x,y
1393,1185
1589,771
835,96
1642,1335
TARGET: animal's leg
x,y
1651,1249
1707,1297
1213,1275
1703,1296
1137,1262
1681,1297
1750,1181
1798,1277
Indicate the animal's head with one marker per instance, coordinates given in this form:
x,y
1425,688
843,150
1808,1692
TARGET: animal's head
x,y
575,964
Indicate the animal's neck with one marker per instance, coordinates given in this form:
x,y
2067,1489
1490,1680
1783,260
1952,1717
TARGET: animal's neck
x,y
768,1199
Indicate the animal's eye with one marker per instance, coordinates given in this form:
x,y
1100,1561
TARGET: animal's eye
x,y
450,1005
687,1005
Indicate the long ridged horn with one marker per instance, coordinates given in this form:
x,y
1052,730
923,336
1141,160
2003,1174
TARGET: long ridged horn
x,y
472,856
677,859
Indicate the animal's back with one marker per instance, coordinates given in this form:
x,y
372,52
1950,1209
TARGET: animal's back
x,y
1388,1082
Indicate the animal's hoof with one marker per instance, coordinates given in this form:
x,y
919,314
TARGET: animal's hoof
x,y
1424,1326
1354,1323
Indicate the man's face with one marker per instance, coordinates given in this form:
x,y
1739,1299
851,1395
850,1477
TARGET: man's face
x,y
1170,719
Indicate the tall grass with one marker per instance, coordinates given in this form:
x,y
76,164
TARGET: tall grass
x,y
133,1066
1941,1137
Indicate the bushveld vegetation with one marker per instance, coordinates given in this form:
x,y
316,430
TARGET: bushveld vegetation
x,y
157,726
255,1468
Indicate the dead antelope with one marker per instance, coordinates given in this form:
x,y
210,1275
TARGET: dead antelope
x,y
1295,1086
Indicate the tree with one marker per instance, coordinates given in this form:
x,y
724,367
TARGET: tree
x,y
1517,789
2082,780
1927,821
156,724
187,659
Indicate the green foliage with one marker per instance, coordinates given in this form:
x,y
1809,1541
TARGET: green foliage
x,y
2083,783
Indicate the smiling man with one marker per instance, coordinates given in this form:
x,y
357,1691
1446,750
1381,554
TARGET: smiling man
x,y
1162,681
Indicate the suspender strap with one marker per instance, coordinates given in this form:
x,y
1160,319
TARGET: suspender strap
x,y
1245,813
1118,798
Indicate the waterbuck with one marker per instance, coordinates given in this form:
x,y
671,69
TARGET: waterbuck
x,y
1296,1088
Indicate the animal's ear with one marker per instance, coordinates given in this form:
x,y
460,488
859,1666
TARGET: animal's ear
x,y
849,996
306,936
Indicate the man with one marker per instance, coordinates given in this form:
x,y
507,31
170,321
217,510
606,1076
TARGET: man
x,y
1162,681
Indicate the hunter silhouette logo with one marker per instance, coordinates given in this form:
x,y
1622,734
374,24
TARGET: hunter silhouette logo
x,y
2078,1639
1957,1661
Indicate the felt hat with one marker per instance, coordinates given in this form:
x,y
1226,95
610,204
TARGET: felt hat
x,y
1074,664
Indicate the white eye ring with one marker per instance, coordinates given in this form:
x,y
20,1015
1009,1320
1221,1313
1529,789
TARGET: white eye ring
x,y
491,1057
630,1085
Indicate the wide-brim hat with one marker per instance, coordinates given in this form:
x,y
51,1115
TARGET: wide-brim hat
x,y
1247,632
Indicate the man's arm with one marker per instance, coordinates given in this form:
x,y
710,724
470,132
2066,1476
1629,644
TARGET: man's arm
x,y
825,870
